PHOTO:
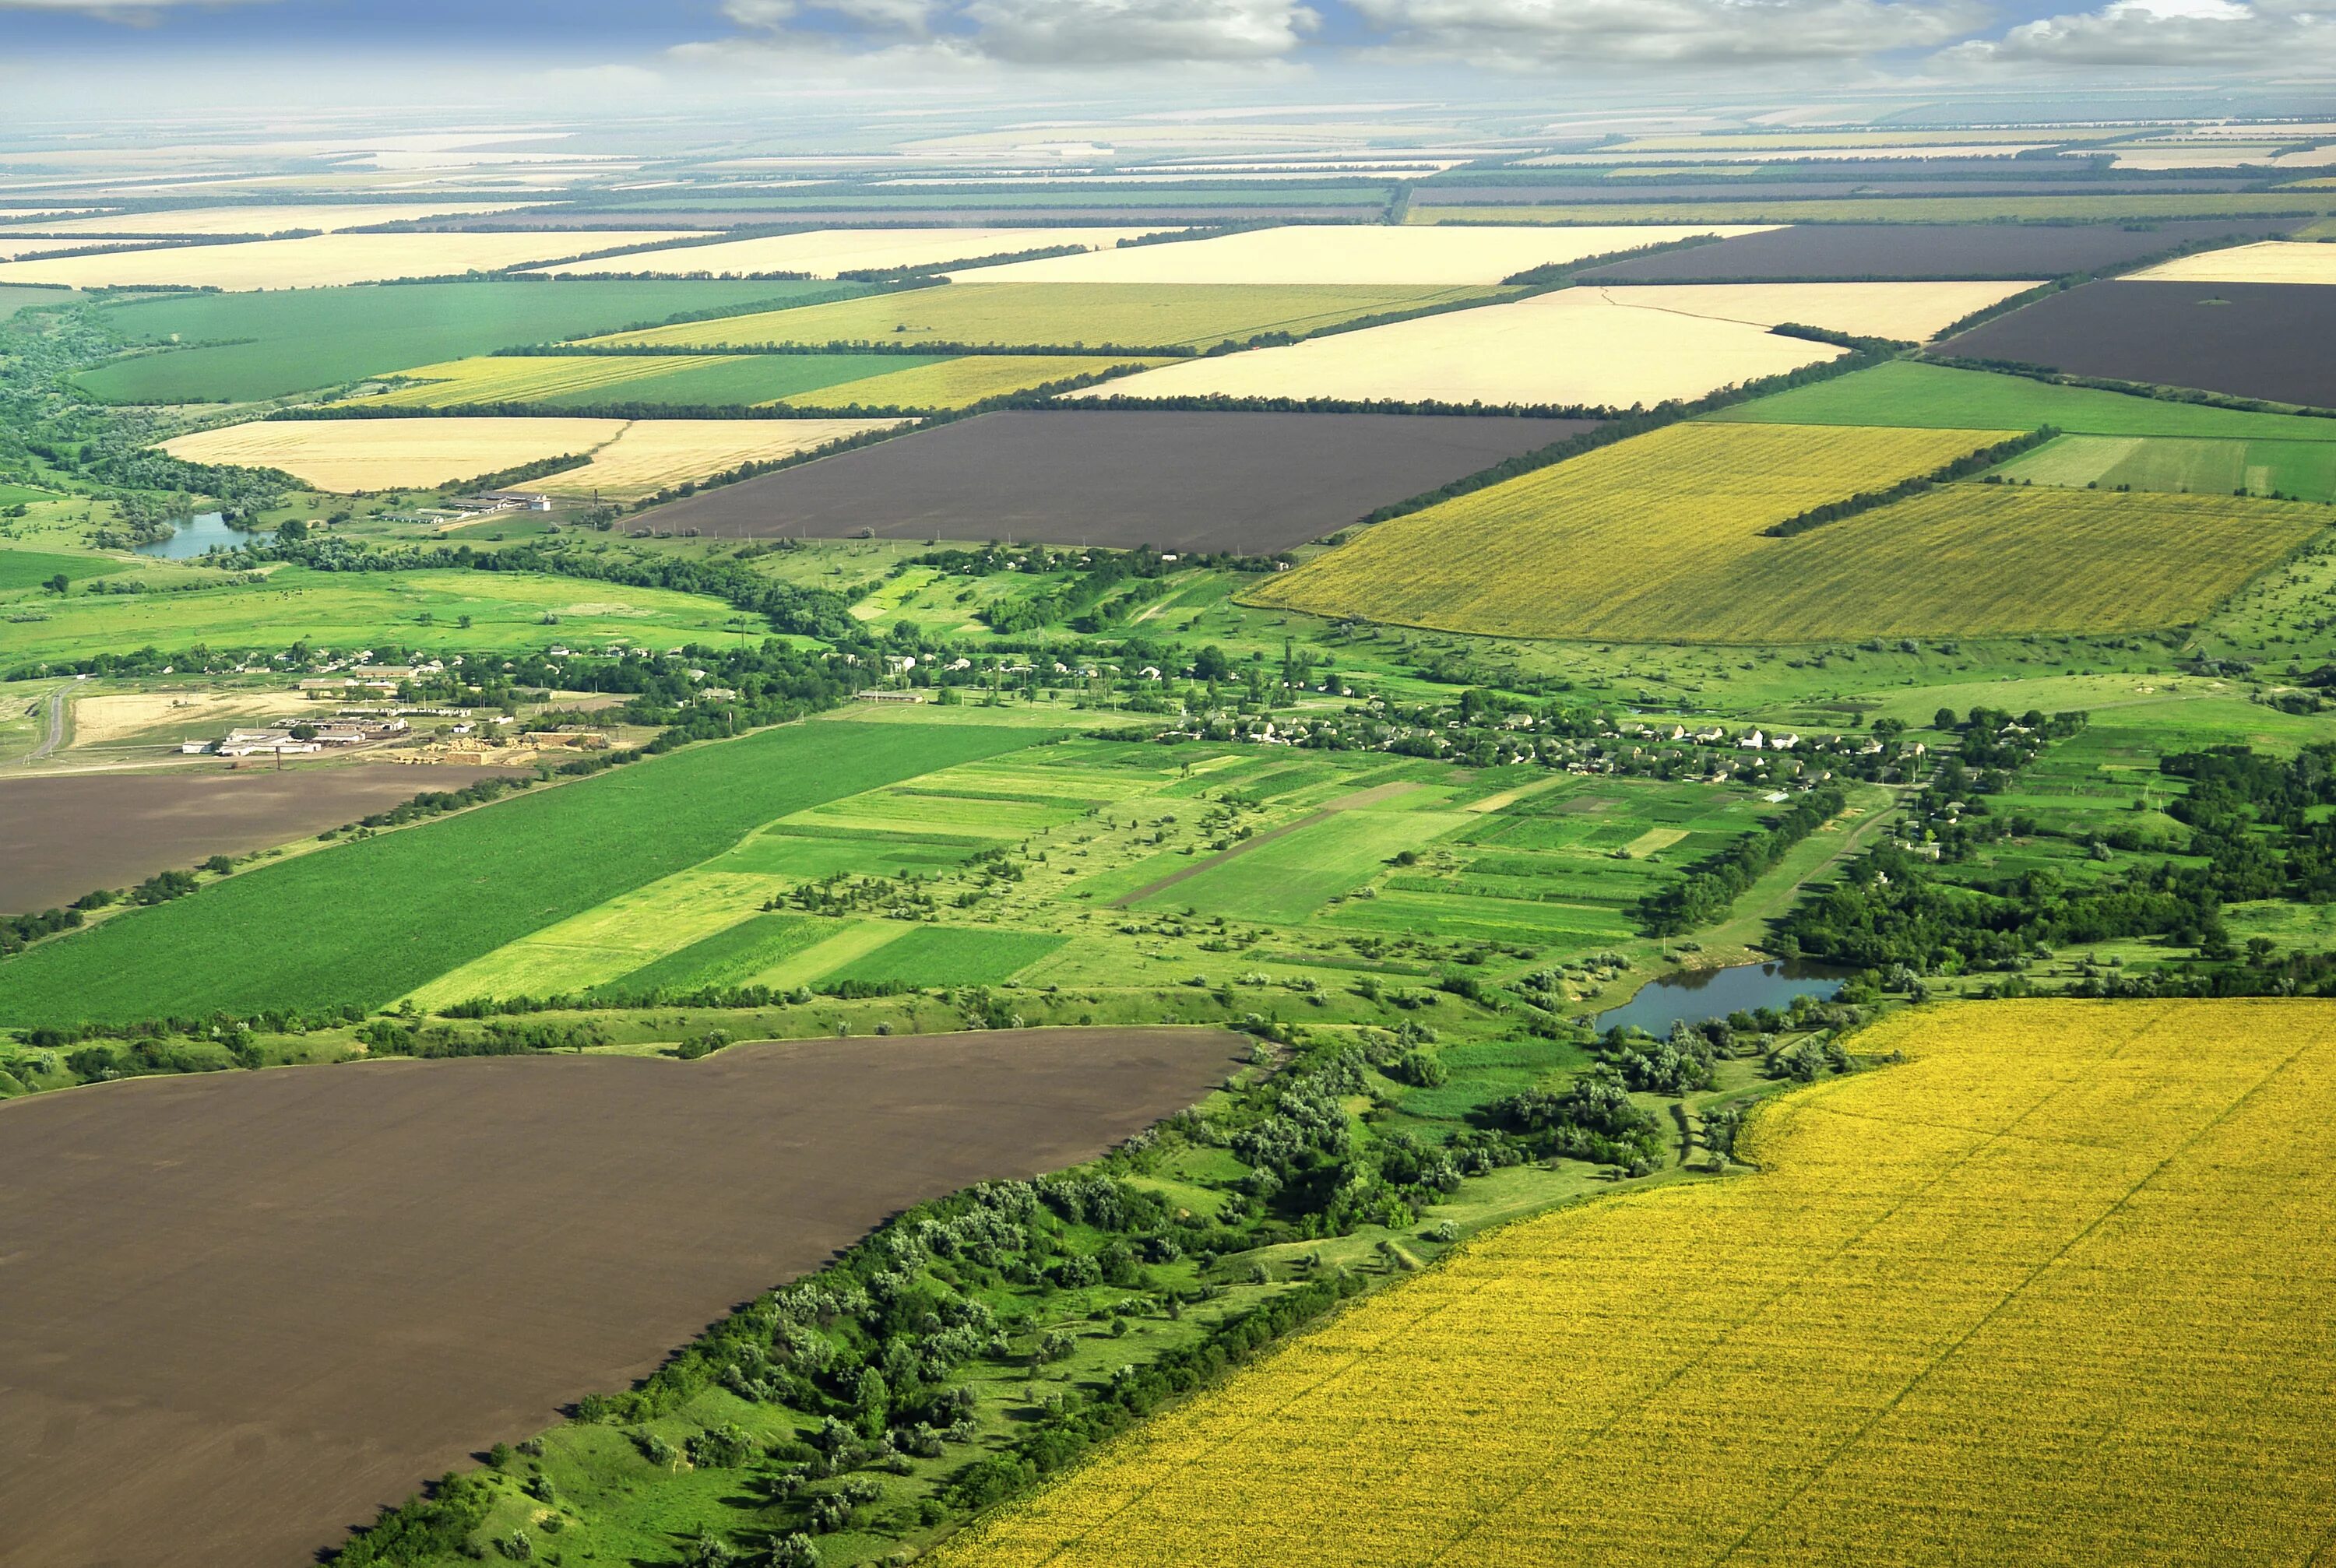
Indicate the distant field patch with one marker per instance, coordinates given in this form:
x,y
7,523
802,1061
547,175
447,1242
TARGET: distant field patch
x,y
2271,262
1311,254
1573,346
951,384
1856,251
457,889
1069,315
2263,340
326,260
674,380
1909,312
1597,546
653,455
729,957
13,301
950,956
2306,469
240,347
328,217
531,378
824,252
1907,392
350,455
28,567
1975,207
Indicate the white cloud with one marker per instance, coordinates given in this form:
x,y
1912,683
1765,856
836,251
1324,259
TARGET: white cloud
x,y
2184,34
1667,33
1046,33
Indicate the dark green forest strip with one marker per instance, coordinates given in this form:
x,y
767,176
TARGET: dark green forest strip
x,y
365,923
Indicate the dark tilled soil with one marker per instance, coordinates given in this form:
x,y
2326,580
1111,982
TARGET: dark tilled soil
x,y
2268,340
1251,482
64,835
240,1311
1918,251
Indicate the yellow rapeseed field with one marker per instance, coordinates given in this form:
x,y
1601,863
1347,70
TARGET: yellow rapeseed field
x,y
1573,346
824,252
653,455
324,260
523,378
1600,545
2058,1289
1348,253
959,383
1049,314
2273,261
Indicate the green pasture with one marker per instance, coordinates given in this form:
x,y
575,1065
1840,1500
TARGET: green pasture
x,y
733,957
2304,469
240,347
364,922
1938,397
1285,881
31,568
422,610
949,955
23,495
15,297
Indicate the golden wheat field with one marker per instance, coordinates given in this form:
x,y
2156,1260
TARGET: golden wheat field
x,y
2057,1289
1573,346
960,382
2272,261
1598,546
1066,315
1349,253
348,455
324,260
649,455
1909,312
824,252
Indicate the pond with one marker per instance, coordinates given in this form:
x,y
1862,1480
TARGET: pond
x,y
1695,995
197,534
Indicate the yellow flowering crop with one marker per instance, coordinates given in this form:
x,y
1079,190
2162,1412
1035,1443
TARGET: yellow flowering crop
x,y
2060,1288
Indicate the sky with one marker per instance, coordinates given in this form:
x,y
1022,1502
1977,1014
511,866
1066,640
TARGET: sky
x,y
634,46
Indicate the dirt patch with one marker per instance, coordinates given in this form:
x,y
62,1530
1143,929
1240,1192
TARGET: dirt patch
x,y
2266,340
1252,483
102,720
244,1310
64,835
1851,252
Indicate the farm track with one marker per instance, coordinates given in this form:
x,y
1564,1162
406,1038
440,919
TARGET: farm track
x,y
1360,798
55,735
376,1269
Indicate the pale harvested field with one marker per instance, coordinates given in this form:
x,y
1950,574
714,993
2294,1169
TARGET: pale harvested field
x,y
348,455
823,253
102,720
653,455
2274,261
326,260
1351,253
1574,346
1911,312
330,217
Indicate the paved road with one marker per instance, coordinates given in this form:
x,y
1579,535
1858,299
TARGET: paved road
x,y
56,736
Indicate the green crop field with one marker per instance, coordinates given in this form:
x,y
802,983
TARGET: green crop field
x,y
364,922
2306,469
422,610
949,955
15,298
733,956
31,568
237,347
1066,315
1906,393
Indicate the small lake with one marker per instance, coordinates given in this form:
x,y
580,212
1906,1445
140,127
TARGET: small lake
x,y
197,534
1695,995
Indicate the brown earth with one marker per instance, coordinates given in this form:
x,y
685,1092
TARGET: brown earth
x,y
65,834
240,1311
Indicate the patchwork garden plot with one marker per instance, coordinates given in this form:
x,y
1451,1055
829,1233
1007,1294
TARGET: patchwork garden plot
x,y
1314,254
1095,316
2264,340
237,348
1854,251
2296,467
2049,1225
1251,482
324,261
1572,347
461,887
1596,546
823,253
